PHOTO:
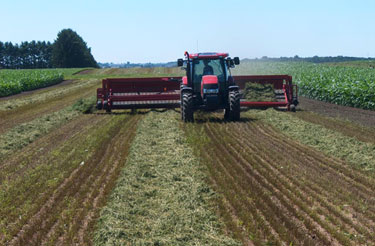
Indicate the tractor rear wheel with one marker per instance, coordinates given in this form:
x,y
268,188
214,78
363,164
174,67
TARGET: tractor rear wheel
x,y
187,111
234,110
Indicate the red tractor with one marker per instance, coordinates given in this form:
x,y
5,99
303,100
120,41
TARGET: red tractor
x,y
209,85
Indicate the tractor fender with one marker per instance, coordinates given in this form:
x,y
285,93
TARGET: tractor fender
x,y
231,81
186,89
233,87
185,80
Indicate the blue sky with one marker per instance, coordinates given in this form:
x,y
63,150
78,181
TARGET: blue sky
x,y
160,31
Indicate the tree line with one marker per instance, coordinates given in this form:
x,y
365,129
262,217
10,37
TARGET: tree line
x,y
67,51
25,55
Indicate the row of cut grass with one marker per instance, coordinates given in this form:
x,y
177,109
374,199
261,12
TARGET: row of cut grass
x,y
24,134
161,197
359,154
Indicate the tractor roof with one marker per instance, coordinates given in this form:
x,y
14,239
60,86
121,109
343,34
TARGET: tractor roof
x,y
210,55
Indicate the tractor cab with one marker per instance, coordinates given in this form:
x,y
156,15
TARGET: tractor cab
x,y
203,67
204,70
209,76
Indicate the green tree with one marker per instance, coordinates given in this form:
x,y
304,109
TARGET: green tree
x,y
70,50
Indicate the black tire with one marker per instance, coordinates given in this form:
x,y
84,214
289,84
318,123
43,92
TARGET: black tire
x,y
234,106
187,111
99,105
106,107
182,107
292,108
226,114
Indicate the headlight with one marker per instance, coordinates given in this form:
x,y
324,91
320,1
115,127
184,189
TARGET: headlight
x,y
210,91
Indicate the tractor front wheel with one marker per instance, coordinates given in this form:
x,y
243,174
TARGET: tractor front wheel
x,y
187,111
233,112
226,114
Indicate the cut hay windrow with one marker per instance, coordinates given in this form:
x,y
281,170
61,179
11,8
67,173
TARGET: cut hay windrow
x,y
25,133
161,197
361,155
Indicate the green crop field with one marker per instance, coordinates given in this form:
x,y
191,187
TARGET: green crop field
x,y
16,81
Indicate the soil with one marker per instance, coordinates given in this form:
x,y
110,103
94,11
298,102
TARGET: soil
x,y
86,71
359,116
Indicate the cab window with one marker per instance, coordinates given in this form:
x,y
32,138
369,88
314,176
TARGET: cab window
x,y
207,67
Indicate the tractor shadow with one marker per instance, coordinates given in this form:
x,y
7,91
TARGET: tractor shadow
x,y
132,112
218,117
213,119
199,117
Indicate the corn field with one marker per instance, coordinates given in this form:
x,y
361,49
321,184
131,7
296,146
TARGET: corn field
x,y
16,81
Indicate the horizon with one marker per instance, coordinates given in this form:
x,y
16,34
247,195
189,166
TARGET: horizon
x,y
145,31
255,58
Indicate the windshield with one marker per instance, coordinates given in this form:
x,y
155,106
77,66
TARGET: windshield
x,y
208,67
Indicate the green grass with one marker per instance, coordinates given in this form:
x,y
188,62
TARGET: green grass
x,y
161,197
129,73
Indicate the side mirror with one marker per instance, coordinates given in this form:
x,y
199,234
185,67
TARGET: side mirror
x,y
236,60
230,63
180,62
